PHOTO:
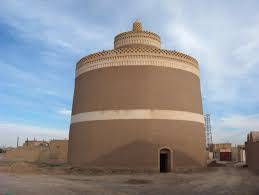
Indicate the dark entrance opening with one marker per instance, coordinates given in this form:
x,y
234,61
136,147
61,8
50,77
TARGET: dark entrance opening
x,y
165,161
225,156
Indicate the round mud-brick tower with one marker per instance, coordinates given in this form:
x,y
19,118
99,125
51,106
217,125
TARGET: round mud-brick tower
x,y
137,107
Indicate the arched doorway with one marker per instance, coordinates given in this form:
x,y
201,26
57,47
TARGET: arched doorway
x,y
165,160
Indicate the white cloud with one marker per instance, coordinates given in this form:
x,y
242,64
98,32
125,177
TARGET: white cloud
x,y
65,112
234,128
226,48
13,73
29,84
241,121
49,23
10,132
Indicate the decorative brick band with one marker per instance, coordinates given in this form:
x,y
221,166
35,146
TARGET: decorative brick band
x,y
136,60
141,52
137,114
141,33
136,40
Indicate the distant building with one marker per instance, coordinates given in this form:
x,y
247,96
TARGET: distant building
x,y
252,151
238,153
58,150
137,107
40,151
6,149
35,143
221,151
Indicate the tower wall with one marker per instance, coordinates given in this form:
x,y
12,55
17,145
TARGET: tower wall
x,y
131,102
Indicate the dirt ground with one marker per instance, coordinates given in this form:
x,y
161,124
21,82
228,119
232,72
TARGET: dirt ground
x,y
32,178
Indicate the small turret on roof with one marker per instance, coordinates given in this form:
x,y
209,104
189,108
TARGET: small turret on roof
x,y
137,26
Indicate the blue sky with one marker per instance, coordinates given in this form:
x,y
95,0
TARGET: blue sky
x,y
41,41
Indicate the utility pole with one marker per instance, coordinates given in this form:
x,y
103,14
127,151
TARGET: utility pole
x,y
17,143
208,129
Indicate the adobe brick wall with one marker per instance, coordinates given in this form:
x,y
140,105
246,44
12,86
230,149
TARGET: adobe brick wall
x,y
55,151
252,155
127,103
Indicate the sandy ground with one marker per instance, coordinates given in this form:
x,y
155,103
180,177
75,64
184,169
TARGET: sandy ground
x,y
45,179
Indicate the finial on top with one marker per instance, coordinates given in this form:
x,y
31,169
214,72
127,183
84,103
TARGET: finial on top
x,y
137,26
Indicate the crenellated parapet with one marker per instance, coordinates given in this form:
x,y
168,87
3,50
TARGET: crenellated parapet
x,y
141,56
